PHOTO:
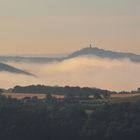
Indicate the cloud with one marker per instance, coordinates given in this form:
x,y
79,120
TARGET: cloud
x,y
82,71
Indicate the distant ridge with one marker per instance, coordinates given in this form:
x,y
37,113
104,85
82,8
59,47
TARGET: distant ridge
x,y
8,68
92,51
105,54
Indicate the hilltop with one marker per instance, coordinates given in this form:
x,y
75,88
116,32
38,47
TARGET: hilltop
x,y
92,51
105,54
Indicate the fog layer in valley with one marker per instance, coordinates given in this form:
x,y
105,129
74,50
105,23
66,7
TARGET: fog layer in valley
x,y
82,71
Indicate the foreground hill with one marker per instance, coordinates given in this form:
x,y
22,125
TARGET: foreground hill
x,y
39,120
67,90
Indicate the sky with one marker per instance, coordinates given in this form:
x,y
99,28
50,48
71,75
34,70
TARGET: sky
x,y
46,27
63,26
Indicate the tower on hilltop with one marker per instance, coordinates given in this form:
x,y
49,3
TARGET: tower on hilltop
x,y
90,46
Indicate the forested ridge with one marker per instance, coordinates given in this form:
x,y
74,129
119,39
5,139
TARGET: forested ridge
x,y
43,121
59,90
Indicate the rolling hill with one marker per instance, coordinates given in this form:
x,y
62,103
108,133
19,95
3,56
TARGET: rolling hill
x,y
92,51
8,68
105,54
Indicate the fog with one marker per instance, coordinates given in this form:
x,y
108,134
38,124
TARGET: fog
x,y
82,71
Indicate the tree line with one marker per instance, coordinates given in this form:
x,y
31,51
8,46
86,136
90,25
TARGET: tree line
x,y
67,90
68,122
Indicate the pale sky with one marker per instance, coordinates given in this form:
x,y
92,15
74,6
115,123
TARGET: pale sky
x,y
62,26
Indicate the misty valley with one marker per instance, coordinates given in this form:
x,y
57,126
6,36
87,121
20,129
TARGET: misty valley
x,y
91,67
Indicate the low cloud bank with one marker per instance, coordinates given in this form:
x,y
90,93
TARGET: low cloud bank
x,y
82,71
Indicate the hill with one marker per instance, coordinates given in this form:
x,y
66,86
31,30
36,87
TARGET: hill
x,y
92,51
8,68
105,54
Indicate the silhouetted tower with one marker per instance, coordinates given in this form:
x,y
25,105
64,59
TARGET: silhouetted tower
x,y
90,46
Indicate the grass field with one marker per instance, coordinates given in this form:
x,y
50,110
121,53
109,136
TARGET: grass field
x,y
23,95
124,95
125,99
114,97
